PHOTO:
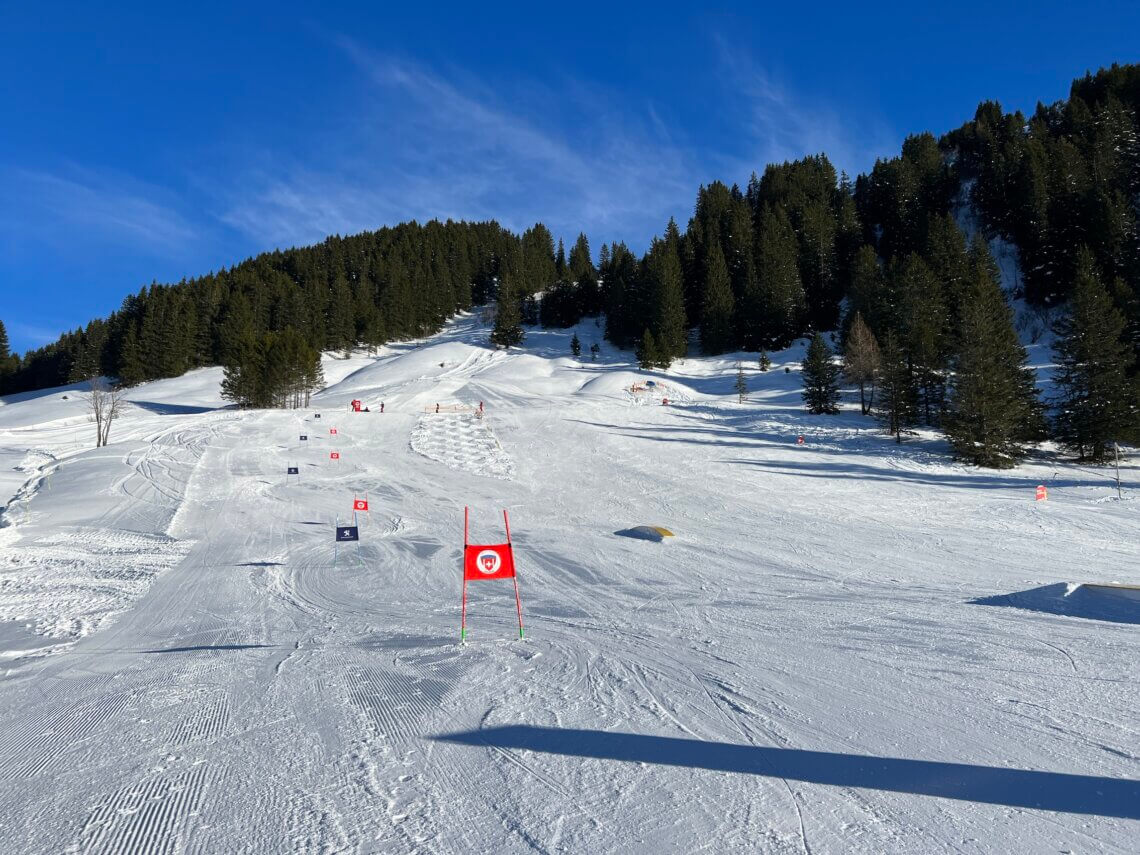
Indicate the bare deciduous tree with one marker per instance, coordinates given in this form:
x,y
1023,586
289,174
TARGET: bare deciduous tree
x,y
105,401
862,361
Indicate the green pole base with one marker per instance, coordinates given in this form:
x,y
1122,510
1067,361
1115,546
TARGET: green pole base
x,y
463,635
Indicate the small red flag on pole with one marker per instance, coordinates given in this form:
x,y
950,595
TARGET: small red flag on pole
x,y
360,504
332,431
334,455
1042,493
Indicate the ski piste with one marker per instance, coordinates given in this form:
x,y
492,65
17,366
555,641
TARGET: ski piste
x,y
845,646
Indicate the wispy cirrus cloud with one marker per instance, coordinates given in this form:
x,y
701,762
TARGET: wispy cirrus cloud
x,y
77,204
779,123
428,144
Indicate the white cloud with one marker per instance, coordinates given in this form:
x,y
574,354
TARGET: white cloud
x,y
77,204
428,145
779,124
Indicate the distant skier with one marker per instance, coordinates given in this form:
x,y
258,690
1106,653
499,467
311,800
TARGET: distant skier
x,y
437,408
480,406
381,406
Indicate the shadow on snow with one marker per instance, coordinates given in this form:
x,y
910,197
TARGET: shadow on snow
x,y
1020,788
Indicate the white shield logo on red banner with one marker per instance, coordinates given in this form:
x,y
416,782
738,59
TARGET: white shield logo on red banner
x,y
488,562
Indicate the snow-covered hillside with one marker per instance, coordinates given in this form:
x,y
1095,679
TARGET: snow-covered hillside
x,y
848,646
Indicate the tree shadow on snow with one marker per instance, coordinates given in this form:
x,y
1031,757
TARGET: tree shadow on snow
x,y
1020,788
1092,602
832,470
174,409
199,648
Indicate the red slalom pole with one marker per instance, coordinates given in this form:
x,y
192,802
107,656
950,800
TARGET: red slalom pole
x,y
515,578
463,570
463,618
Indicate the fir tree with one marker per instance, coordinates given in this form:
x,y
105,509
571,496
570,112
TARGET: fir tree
x,y
993,409
764,360
663,273
1098,403
575,345
648,354
9,363
717,329
862,361
821,378
898,402
741,384
508,331
776,315
130,369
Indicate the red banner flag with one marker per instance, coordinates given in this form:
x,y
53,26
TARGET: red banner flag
x,y
334,455
332,431
488,561
360,504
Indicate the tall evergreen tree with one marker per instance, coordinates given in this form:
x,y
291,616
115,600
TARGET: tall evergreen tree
x,y
663,274
776,315
508,331
717,328
993,409
1098,403
821,378
898,399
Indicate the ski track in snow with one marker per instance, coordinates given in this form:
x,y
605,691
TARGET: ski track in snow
x,y
183,669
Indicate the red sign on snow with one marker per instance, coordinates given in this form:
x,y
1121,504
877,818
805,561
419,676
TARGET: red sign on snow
x,y
1042,493
332,431
360,504
334,455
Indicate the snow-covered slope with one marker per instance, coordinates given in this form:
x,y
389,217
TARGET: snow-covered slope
x,y
848,646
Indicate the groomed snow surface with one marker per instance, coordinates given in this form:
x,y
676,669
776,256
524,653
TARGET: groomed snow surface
x,y
847,646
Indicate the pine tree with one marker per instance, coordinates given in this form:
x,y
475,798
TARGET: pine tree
x,y
717,328
8,362
648,353
575,345
764,360
993,409
1098,403
821,378
130,369
898,400
862,361
663,272
508,331
776,315
741,383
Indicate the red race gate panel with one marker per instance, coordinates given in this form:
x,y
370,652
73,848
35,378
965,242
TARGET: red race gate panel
x,y
488,561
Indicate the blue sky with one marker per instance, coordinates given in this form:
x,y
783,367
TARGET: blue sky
x,y
140,145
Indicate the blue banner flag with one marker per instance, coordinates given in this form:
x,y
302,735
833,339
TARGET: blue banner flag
x,y
304,437
347,532
293,470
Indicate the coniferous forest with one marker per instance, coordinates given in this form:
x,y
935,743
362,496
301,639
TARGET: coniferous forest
x,y
799,250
